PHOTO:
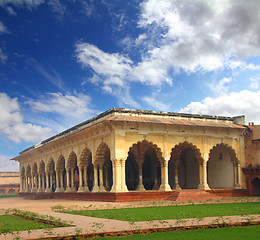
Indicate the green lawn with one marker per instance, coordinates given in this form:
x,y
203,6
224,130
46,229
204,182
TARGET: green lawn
x,y
173,212
9,196
10,223
234,233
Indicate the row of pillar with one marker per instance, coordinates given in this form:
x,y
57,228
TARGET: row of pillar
x,y
29,183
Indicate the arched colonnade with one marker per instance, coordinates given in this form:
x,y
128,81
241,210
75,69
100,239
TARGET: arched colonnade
x,y
144,169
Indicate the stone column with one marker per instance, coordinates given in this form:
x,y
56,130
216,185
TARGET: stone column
x,y
140,186
95,187
204,184
58,189
39,181
62,181
51,182
164,177
117,179
101,183
26,183
86,189
73,189
68,188
81,188
48,189
176,185
21,184
31,183
237,177
123,186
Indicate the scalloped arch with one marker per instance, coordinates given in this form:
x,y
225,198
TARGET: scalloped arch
x,y
102,153
139,149
42,167
50,166
179,148
28,170
34,169
72,160
60,163
85,157
232,152
22,172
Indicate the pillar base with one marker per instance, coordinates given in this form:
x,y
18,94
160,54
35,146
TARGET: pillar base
x,y
124,188
48,190
177,187
165,187
237,186
81,189
203,186
116,188
96,189
58,190
86,189
140,187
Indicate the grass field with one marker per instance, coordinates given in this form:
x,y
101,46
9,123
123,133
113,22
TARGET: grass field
x,y
10,223
173,212
8,196
233,233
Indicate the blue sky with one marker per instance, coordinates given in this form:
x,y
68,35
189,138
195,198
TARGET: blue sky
x,y
62,62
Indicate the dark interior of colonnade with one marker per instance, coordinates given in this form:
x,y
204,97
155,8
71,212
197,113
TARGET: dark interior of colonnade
x,y
90,175
256,187
131,172
74,167
107,174
151,170
188,170
52,175
105,164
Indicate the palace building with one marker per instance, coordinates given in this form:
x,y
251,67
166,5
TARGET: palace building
x,y
126,154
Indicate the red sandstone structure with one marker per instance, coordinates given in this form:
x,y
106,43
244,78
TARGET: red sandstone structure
x,y
9,183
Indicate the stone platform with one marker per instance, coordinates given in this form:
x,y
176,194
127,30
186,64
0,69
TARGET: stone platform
x,y
180,195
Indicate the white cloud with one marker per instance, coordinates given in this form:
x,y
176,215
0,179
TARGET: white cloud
x,y
58,9
235,103
13,126
156,104
254,82
201,35
52,76
30,4
220,87
103,63
3,28
11,11
8,166
67,105
3,56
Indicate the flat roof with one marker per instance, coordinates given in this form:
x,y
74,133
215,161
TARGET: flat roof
x,y
136,115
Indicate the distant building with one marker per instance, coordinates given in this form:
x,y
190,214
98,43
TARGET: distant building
x,y
9,183
252,169
125,154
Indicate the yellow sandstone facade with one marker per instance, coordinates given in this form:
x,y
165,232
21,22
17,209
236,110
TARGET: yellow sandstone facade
x,y
124,150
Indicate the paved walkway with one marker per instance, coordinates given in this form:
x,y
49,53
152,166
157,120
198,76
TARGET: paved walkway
x,y
88,225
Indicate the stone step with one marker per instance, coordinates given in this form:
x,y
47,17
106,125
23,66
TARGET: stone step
x,y
191,195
